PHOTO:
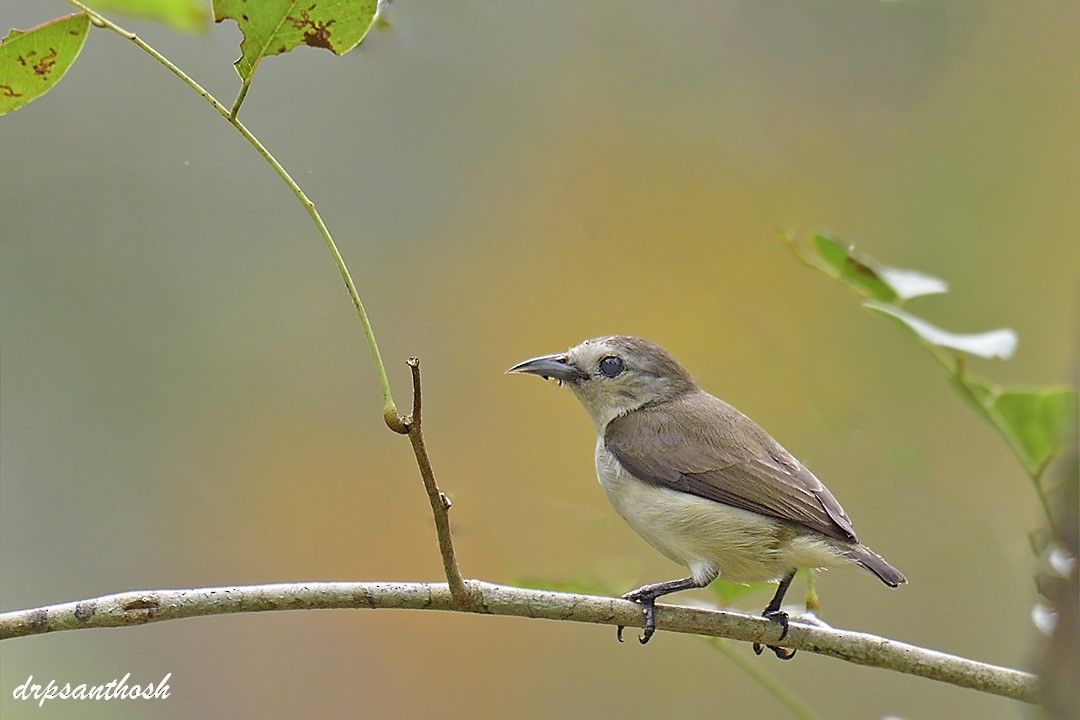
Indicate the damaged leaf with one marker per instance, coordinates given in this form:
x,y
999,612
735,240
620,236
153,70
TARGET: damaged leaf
x,y
272,27
33,61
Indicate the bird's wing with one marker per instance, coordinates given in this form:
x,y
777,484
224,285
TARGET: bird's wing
x,y
700,445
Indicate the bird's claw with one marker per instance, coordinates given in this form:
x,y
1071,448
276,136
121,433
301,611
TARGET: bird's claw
x,y
648,609
778,616
783,653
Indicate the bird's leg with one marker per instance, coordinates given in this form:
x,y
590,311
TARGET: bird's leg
x,y
774,613
646,596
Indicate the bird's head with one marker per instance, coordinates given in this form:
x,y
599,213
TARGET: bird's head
x,y
613,375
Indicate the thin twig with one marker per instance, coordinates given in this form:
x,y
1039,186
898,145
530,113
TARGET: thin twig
x,y
440,503
136,608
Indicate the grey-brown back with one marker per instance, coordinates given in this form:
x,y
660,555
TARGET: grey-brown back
x,y
699,444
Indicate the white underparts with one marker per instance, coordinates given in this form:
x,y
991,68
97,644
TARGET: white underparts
x,y
706,536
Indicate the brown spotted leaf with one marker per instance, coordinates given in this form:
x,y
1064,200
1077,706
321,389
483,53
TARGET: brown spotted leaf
x,y
33,61
272,27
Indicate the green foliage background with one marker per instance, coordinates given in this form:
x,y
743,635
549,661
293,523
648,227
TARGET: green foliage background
x,y
186,398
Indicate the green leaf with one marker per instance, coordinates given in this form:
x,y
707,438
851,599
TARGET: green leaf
x,y
33,61
272,27
1000,343
728,591
870,278
183,15
1035,421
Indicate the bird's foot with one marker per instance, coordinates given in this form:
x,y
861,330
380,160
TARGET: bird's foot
x,y
778,616
648,609
781,617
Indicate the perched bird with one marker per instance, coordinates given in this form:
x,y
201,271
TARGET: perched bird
x,y
698,480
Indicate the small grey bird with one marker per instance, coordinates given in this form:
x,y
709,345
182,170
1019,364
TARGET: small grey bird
x,y
700,481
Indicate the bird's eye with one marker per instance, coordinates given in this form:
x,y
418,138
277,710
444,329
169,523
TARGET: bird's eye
x,y
611,366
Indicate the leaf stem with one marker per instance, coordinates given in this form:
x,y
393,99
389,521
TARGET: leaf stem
x,y
239,99
793,244
390,414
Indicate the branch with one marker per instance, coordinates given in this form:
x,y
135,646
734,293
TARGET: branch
x,y
139,607
440,503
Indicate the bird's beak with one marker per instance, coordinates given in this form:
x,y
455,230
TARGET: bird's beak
x,y
555,367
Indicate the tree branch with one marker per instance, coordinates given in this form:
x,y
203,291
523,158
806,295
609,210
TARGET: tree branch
x,y
139,607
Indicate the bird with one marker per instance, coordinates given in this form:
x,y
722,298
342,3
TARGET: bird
x,y
700,481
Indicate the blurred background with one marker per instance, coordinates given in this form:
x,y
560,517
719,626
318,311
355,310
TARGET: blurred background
x,y
186,398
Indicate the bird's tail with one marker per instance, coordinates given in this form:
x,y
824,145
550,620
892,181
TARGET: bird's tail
x,y
875,564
